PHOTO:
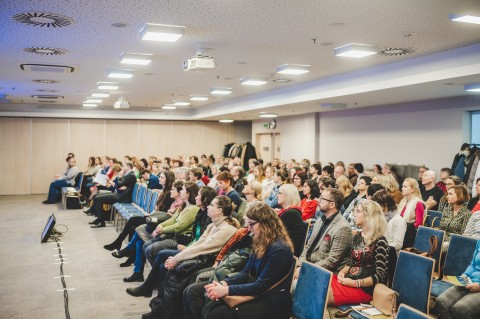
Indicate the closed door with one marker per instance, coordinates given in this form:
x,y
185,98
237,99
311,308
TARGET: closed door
x,y
268,146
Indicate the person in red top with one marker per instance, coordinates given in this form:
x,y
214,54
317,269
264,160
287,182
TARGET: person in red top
x,y
309,203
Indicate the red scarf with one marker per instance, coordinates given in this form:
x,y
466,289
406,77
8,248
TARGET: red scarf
x,y
290,207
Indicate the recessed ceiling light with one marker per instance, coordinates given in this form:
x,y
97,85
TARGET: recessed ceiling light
x,y
168,107
136,58
355,50
268,115
181,103
226,121
464,18
293,69
161,32
198,98
90,100
220,91
120,74
100,94
89,105
253,81
472,87
107,85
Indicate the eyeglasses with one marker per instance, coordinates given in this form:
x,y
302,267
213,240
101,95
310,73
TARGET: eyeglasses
x,y
251,224
328,200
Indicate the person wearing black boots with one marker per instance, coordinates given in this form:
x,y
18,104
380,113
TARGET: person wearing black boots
x,y
123,194
202,220
163,204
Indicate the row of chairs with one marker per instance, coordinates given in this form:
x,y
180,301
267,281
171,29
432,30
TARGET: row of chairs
x,y
416,277
143,203
413,287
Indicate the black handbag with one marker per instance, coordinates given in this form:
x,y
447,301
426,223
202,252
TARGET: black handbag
x,y
184,239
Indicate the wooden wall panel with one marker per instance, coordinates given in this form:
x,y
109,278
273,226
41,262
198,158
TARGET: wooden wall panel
x,y
15,156
216,135
50,146
156,138
32,151
122,138
87,138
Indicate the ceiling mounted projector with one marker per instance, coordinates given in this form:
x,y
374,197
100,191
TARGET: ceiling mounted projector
x,y
121,104
199,62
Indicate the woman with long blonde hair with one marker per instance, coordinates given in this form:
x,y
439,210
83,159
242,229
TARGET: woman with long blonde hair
x,y
412,209
368,264
270,263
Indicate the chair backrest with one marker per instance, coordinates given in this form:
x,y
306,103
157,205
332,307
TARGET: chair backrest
x,y
135,192
413,280
422,242
407,312
311,293
141,198
459,255
432,219
148,199
153,200
79,180
241,212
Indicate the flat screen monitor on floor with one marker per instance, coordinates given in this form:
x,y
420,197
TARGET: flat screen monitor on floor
x,y
47,231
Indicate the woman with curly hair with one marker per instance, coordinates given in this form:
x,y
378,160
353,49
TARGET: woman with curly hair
x,y
270,264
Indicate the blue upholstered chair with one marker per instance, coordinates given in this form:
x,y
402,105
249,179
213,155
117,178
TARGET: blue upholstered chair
x,y
459,255
432,219
413,280
422,242
407,312
311,293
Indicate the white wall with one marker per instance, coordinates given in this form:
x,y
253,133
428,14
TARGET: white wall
x,y
297,135
428,132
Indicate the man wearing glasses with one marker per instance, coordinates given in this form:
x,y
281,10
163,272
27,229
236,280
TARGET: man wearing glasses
x,y
331,240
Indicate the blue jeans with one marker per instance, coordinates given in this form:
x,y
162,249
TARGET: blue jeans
x,y
54,188
137,243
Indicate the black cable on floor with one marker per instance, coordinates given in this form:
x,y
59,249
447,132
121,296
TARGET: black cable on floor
x,y
55,235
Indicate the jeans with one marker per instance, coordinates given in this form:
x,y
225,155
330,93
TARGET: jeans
x,y
137,244
55,187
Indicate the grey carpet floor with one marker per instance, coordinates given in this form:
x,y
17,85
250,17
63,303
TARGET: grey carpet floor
x,y
27,268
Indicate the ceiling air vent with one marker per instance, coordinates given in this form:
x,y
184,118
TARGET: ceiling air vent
x,y
396,51
45,81
46,51
47,68
43,19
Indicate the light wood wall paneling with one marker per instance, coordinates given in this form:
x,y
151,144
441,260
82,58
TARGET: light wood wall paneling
x,y
216,135
156,138
87,138
122,138
50,146
15,156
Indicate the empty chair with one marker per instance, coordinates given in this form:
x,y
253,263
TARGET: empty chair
x,y
311,293
432,219
413,280
422,242
459,256
407,312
